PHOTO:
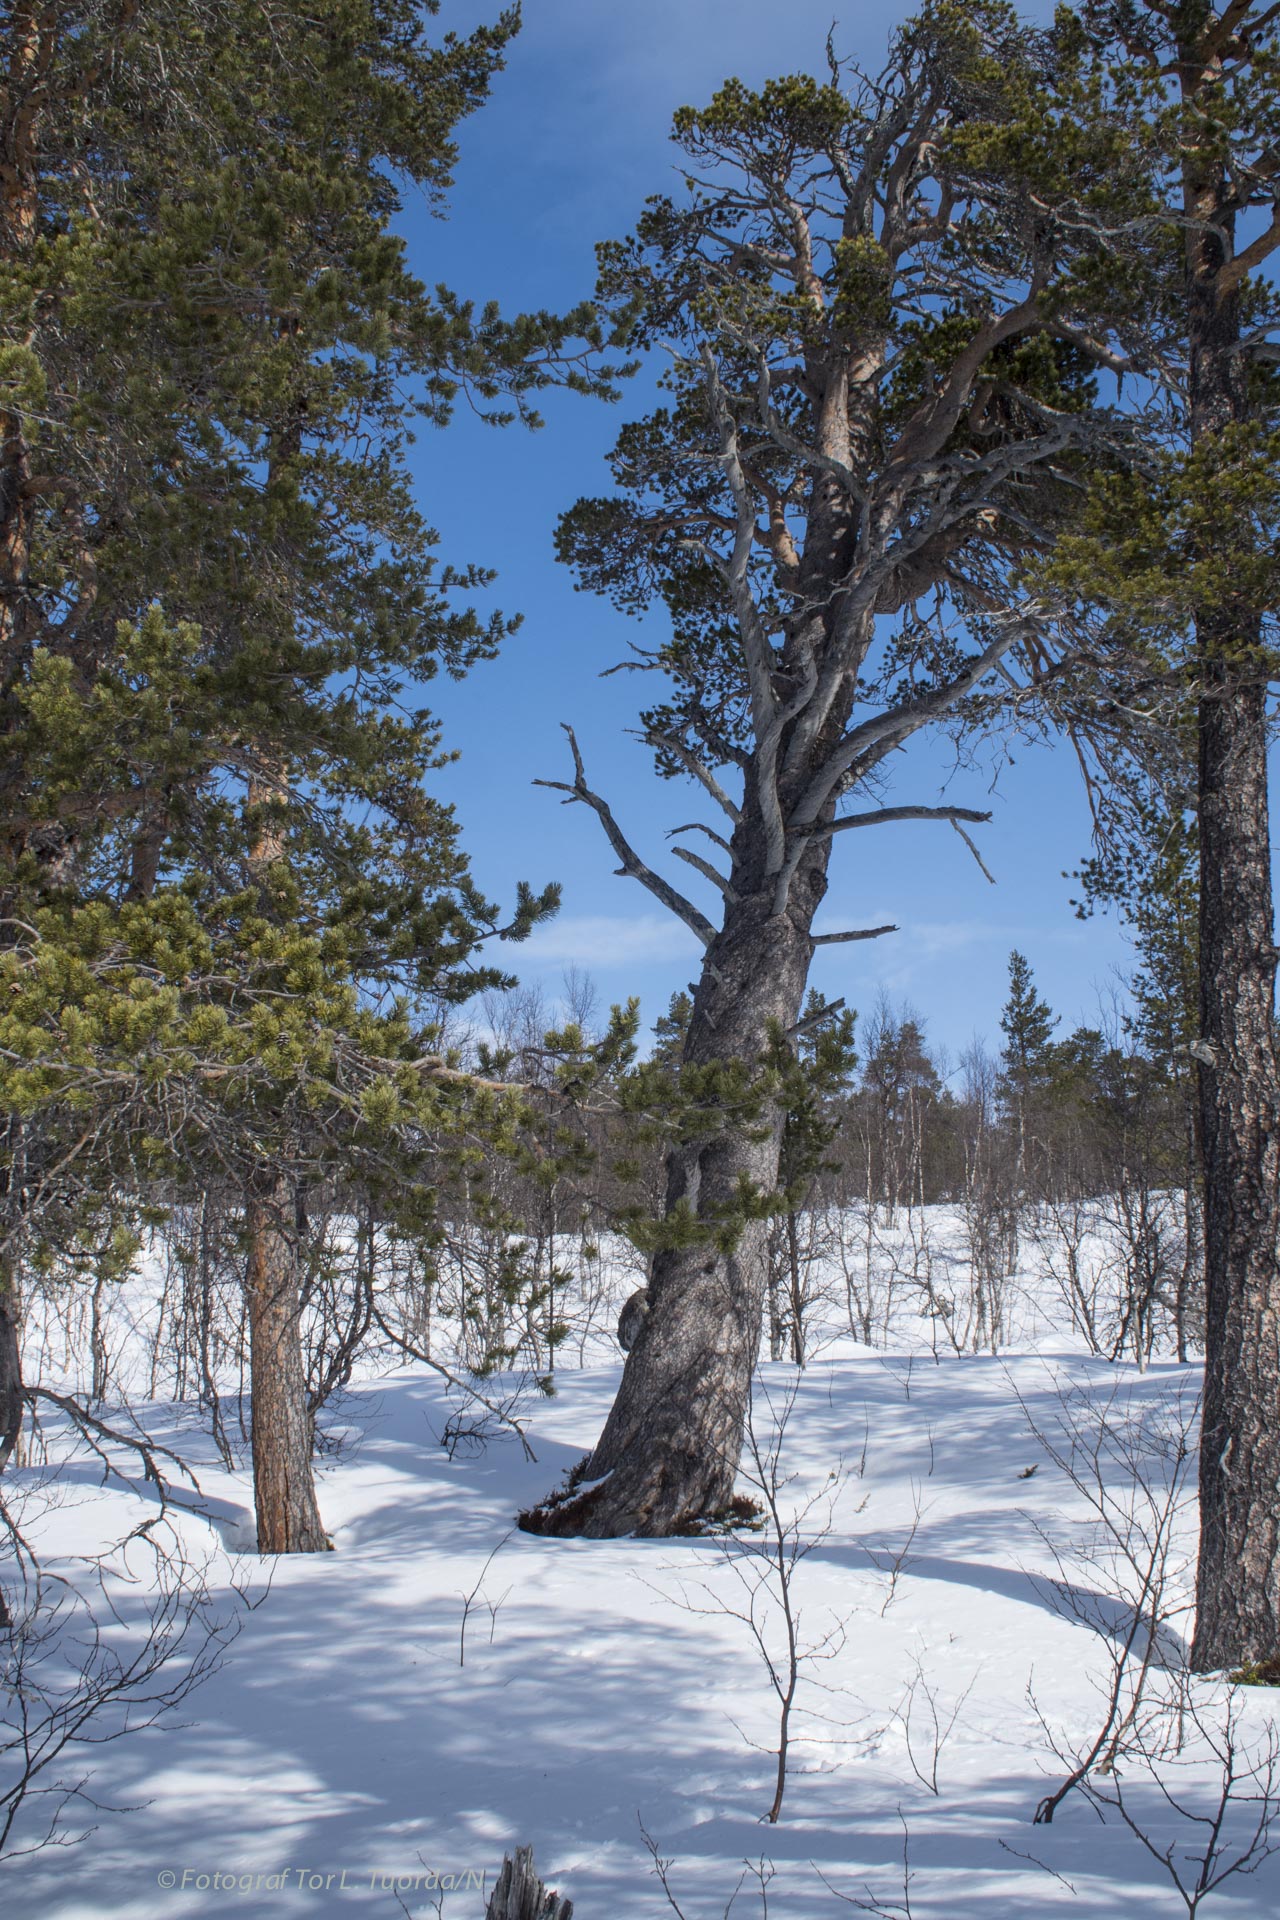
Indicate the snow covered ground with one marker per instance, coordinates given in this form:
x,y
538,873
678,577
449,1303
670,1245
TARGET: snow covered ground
x,y
357,1749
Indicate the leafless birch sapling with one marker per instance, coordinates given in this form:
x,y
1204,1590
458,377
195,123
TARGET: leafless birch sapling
x,y
1127,1578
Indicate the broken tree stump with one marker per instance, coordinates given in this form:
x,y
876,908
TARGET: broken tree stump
x,y
520,1895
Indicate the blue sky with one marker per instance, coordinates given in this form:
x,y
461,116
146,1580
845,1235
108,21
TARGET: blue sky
x,y
573,139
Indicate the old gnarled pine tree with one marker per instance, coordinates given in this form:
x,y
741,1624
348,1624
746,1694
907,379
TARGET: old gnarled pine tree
x,y
879,392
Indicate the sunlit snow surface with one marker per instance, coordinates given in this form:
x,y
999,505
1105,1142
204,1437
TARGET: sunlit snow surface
x,y
344,1743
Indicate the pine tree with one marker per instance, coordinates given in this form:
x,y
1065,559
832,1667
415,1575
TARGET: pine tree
x,y
879,388
671,1028
229,893
1181,555
1027,1022
899,1093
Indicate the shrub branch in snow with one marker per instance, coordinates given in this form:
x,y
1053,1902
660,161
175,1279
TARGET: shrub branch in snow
x,y
1126,1578
83,1665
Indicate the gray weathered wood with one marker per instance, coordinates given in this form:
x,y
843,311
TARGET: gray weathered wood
x,y
520,1895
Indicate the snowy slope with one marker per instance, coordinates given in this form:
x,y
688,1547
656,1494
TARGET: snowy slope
x,y
344,1744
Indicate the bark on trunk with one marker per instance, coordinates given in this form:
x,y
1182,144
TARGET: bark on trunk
x,y
669,1453
797,1291
11,1393
1238,1580
282,1430
31,45
1238,1589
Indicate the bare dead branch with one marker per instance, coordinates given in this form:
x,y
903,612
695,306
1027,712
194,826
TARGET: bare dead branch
x,y
705,868
858,933
632,865
974,851
671,743
886,816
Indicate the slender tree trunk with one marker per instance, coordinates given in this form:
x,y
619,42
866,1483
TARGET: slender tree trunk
x,y
1238,1591
101,1362
1238,1582
797,1291
30,45
775,1305
1189,1329
12,1403
11,1389
668,1456
282,1427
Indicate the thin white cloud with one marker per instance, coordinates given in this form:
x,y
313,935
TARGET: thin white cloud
x,y
606,940
930,939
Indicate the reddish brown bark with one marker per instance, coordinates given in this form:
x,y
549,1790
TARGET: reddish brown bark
x,y
1238,1582
283,1480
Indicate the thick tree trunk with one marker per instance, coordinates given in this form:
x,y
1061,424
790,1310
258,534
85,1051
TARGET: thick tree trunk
x,y
283,1483
1238,1590
669,1453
